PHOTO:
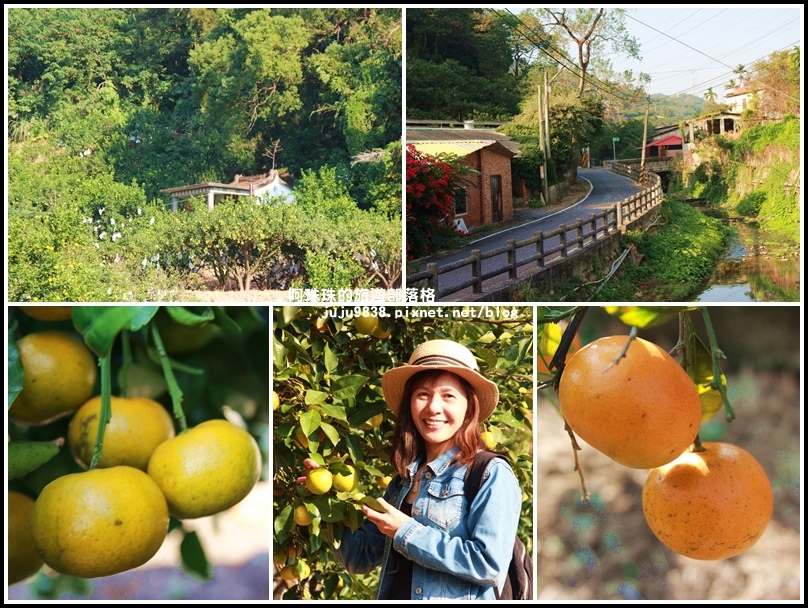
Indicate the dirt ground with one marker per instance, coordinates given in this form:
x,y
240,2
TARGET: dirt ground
x,y
604,550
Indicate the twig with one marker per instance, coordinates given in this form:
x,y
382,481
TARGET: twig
x,y
575,449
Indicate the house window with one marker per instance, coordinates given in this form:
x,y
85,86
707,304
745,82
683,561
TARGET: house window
x,y
460,202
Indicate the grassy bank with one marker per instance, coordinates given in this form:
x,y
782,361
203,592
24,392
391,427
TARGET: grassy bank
x,y
677,261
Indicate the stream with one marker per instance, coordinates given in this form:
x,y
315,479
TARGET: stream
x,y
757,267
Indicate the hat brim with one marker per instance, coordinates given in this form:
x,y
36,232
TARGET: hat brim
x,y
394,381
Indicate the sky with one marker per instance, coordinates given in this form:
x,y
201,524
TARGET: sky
x,y
689,48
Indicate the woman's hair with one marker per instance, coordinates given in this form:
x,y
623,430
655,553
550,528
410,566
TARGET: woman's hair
x,y
407,441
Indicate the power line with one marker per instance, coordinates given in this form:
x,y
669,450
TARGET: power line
x,y
544,46
704,54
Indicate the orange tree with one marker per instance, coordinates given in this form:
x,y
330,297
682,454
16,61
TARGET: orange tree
x,y
154,372
327,376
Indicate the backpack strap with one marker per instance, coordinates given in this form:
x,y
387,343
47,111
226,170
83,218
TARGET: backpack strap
x,y
474,474
474,478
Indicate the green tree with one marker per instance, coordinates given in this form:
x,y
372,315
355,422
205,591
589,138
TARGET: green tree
x,y
589,31
459,65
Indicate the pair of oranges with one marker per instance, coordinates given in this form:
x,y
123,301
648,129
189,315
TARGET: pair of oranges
x,y
634,403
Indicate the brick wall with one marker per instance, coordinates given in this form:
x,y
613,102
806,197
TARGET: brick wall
x,y
479,197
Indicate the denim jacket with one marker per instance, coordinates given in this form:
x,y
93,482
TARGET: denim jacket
x,y
458,552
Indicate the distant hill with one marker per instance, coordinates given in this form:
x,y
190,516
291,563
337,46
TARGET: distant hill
x,y
669,109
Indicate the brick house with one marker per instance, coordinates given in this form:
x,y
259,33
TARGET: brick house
x,y
490,199
249,185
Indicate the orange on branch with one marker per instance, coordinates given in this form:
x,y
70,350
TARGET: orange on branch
x,y
709,505
642,410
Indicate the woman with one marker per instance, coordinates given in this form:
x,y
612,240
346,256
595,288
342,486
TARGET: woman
x,y
433,545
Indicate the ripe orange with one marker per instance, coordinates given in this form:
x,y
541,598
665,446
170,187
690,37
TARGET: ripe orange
x,y
135,430
23,560
319,480
709,505
207,469
48,313
642,411
301,517
59,375
100,522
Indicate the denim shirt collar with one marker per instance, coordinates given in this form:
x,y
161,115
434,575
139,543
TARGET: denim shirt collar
x,y
438,465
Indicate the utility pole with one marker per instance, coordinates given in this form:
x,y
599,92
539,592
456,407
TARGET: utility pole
x,y
547,113
644,139
544,185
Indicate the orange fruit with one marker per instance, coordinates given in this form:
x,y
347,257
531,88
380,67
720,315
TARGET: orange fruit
x,y
137,427
709,505
207,469
319,480
100,522
366,323
179,339
60,374
346,482
642,411
23,560
301,517
48,313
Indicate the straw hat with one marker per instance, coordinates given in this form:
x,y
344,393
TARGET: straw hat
x,y
441,355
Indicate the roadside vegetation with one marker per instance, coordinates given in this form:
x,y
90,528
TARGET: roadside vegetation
x,y
106,107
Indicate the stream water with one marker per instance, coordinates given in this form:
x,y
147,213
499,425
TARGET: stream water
x,y
757,267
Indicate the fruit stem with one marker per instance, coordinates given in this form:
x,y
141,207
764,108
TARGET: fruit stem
x,y
173,387
717,354
631,335
575,449
126,348
105,363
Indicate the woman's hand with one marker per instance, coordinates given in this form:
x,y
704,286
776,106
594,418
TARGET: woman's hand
x,y
389,521
309,464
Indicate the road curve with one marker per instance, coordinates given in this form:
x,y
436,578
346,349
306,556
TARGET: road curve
x,y
607,190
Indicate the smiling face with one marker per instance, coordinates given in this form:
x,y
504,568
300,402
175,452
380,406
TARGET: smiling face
x,y
438,407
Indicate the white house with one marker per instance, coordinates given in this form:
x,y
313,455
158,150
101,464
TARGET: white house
x,y
252,185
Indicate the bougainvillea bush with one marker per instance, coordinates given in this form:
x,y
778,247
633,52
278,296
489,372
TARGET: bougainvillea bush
x,y
431,186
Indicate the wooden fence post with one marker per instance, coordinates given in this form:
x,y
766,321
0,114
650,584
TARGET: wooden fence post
x,y
562,239
432,281
539,249
476,271
511,259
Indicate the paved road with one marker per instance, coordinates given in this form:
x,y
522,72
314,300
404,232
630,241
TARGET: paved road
x,y
607,189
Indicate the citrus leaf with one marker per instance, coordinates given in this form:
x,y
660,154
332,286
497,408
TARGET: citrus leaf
x,y
14,370
310,421
283,522
330,432
194,561
331,361
347,387
334,411
191,318
644,317
100,325
223,320
27,456
313,397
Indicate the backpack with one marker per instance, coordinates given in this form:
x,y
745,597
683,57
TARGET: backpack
x,y
519,582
